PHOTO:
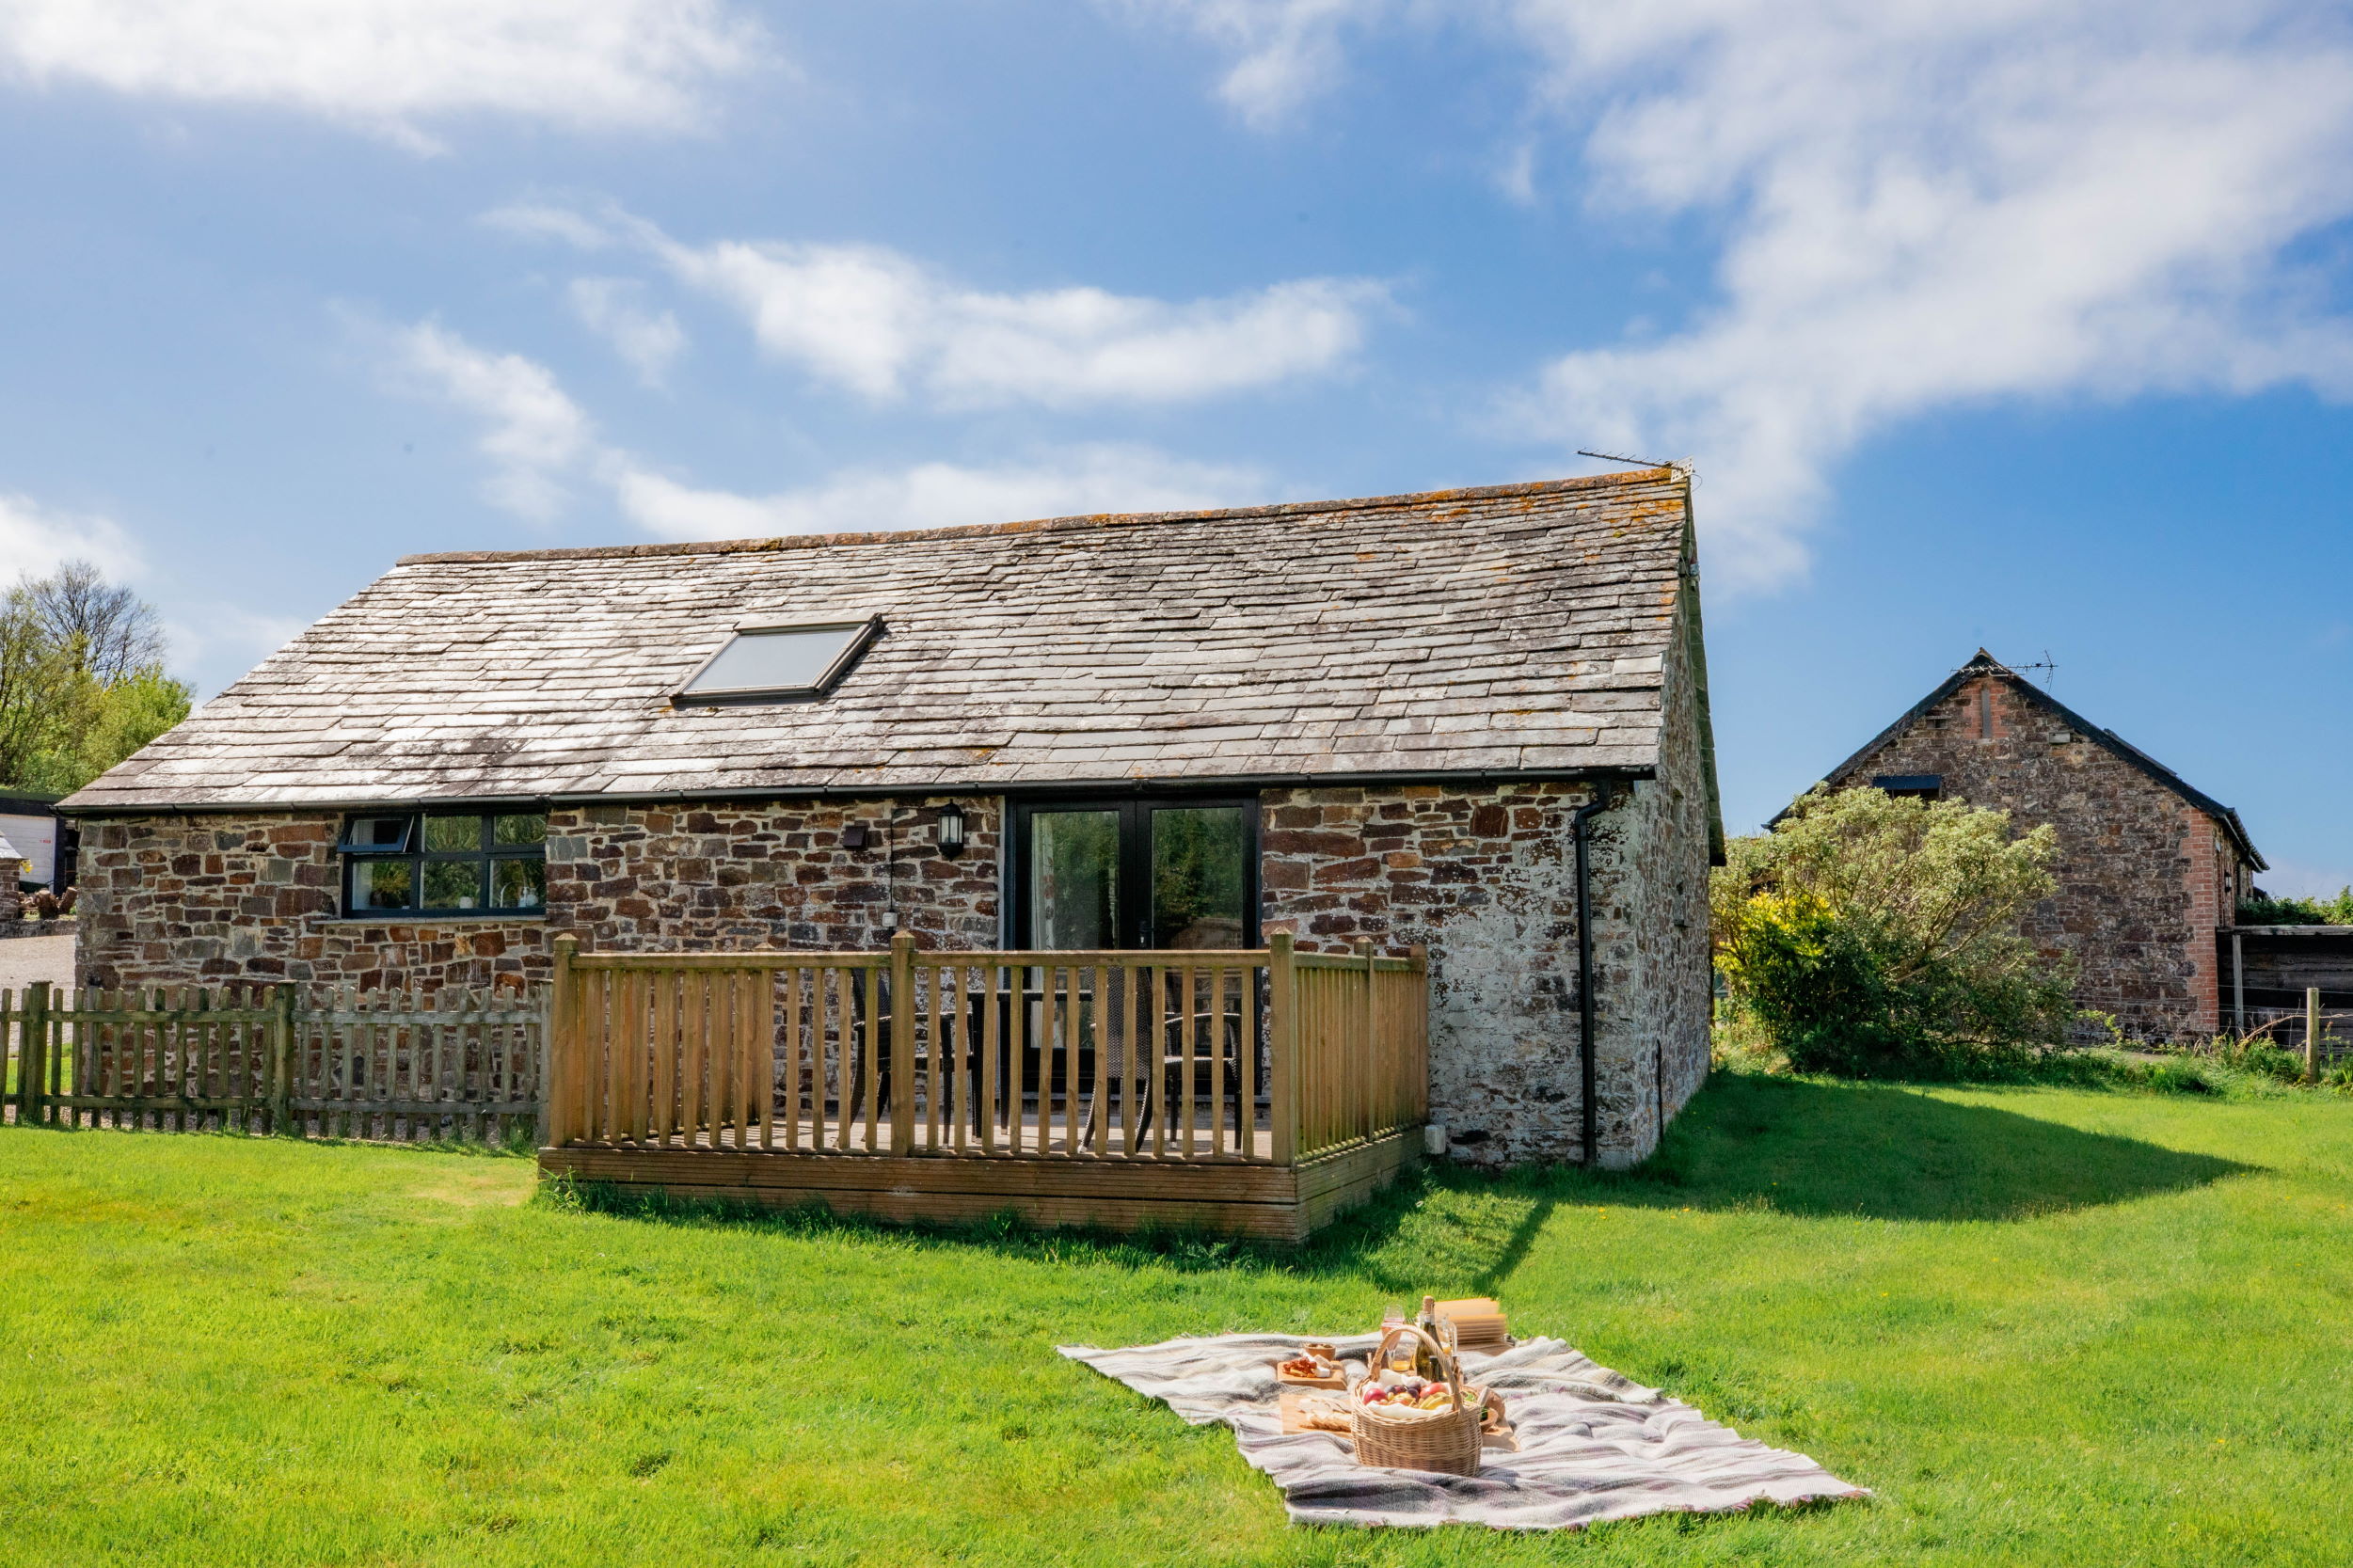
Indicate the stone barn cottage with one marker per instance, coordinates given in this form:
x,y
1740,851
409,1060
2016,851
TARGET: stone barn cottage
x,y
1397,721
2151,871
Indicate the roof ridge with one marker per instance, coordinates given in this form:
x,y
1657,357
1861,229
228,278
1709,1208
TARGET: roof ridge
x,y
1984,663
1044,525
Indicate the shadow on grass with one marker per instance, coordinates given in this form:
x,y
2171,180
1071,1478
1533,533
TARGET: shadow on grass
x,y
1888,1151
1748,1142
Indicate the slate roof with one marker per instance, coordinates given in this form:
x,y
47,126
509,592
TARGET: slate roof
x,y
1515,629
1984,663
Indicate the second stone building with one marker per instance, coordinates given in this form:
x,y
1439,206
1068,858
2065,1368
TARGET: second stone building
x,y
2151,871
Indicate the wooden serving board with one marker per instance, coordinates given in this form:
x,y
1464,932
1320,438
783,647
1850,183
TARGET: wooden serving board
x,y
1337,1381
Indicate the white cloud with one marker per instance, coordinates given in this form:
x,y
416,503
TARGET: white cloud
x,y
885,326
1929,205
648,341
538,440
532,432
36,539
1074,482
1286,51
387,65
1919,206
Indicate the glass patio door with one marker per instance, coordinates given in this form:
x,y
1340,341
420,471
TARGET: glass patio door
x,y
1074,879
1177,874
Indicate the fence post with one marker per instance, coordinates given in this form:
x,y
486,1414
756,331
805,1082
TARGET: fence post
x,y
2312,1035
2238,984
1282,1029
32,1053
557,1049
903,1044
282,1061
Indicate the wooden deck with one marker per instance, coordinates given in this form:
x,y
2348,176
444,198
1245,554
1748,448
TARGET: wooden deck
x,y
1257,1092
1232,1196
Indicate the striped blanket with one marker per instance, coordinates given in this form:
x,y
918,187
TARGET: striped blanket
x,y
1590,1445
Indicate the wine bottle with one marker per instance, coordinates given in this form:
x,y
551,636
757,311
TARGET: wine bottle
x,y
1424,1359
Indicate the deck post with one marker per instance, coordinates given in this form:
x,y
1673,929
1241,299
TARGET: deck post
x,y
32,1053
1418,1043
1283,1028
1368,1064
558,1049
282,1059
903,1044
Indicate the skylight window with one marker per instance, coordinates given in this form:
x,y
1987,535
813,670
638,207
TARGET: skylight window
x,y
780,663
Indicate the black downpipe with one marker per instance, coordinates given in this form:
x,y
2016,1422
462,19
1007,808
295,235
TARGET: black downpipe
x,y
1579,832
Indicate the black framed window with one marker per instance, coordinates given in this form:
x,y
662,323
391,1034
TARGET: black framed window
x,y
445,864
1174,873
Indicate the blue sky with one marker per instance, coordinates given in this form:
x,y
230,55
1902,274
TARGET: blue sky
x,y
2022,326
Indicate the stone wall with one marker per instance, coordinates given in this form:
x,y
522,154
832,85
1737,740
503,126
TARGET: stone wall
x,y
213,901
221,900
1655,1027
1487,880
719,875
1484,878
2144,876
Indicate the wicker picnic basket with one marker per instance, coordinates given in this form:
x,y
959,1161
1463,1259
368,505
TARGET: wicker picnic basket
x,y
1446,1441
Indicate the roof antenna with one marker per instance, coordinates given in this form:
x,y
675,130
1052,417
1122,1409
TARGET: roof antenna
x,y
1618,457
2049,669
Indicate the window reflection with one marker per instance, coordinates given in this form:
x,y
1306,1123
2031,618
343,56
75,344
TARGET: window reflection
x,y
1197,876
1074,879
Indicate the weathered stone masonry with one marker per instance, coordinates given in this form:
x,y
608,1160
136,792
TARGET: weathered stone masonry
x,y
214,899
2145,876
1485,878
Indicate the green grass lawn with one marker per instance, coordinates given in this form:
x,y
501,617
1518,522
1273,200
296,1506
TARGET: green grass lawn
x,y
2046,1325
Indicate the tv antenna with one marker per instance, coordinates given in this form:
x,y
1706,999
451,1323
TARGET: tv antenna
x,y
1620,457
2050,670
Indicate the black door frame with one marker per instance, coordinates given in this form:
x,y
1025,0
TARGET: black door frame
x,y
1135,813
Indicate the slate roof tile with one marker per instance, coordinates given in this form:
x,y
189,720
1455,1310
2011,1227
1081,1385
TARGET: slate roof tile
x,y
1518,626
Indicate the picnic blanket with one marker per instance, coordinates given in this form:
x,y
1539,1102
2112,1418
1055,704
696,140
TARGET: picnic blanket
x,y
1592,1445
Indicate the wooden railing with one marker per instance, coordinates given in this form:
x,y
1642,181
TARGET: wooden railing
x,y
1363,1046
456,1064
1261,1055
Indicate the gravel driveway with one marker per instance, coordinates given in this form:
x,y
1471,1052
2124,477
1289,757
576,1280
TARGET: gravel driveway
x,y
25,960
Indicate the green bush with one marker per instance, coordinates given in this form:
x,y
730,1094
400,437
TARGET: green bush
x,y
2261,1058
1871,935
2267,910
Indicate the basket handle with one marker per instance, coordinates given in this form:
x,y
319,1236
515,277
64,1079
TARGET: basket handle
x,y
1437,1354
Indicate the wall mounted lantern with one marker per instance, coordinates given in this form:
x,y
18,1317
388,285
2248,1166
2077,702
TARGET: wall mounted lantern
x,y
949,835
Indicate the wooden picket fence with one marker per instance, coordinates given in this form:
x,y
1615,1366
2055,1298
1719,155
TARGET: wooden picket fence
x,y
340,1063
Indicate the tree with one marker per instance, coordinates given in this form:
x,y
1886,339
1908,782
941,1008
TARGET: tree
x,y
1871,934
82,680
114,632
